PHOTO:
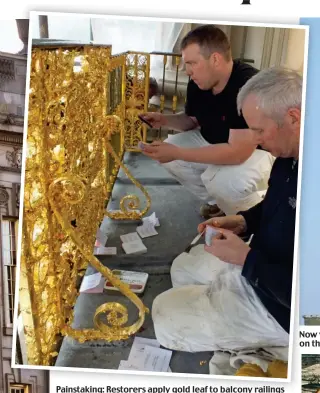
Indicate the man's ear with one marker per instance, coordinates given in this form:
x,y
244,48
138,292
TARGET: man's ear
x,y
294,116
215,59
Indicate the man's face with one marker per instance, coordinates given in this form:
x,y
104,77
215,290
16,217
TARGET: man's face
x,y
201,70
280,141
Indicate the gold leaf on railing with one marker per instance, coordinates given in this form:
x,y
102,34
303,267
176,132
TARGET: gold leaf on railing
x,y
75,150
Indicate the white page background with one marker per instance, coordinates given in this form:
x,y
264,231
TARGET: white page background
x,y
267,11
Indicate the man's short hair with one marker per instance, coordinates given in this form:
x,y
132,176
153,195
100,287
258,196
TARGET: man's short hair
x,y
210,39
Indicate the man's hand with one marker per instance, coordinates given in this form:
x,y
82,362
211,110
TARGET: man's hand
x,y
229,248
235,223
156,119
161,151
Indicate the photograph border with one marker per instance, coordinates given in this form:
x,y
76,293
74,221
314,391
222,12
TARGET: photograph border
x,y
34,14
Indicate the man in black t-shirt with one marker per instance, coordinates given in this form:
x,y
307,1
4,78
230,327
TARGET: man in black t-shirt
x,y
215,157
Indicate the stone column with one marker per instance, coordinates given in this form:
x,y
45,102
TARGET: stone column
x,y
43,25
23,31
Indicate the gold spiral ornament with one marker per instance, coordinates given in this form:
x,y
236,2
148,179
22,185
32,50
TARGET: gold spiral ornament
x,y
129,204
71,189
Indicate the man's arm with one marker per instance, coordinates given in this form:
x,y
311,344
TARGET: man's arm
x,y
252,218
272,276
235,152
181,122
238,149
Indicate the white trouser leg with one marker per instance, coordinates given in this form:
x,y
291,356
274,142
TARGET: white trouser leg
x,y
223,315
232,187
236,187
189,173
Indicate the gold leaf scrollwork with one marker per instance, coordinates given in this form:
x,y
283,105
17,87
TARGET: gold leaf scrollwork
x,y
71,190
129,204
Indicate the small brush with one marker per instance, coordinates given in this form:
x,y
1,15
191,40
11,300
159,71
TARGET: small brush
x,y
194,241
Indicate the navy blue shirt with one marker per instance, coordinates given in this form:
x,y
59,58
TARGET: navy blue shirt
x,y
269,264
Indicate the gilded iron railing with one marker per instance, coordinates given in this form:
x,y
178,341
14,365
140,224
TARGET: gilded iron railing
x,y
83,115
172,85
137,92
75,143
125,102
176,63
137,97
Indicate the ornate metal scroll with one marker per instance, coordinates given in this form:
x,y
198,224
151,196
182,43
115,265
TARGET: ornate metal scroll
x,y
74,150
172,68
117,94
71,190
129,204
137,98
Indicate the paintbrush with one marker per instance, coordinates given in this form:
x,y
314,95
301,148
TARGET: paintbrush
x,y
194,241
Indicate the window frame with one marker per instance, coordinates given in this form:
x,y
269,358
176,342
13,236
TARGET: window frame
x,y
9,272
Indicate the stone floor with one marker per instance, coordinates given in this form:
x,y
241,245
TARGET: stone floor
x,y
177,211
